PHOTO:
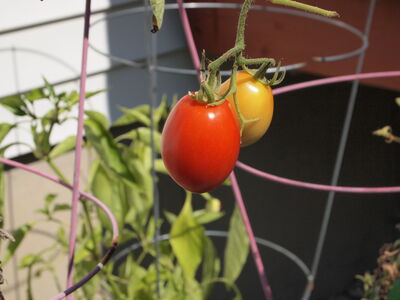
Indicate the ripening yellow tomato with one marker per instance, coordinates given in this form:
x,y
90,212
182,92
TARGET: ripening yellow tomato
x,y
255,102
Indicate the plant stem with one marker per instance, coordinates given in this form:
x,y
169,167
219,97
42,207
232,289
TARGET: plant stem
x,y
306,7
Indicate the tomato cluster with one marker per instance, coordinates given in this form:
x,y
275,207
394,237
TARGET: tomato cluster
x,y
201,142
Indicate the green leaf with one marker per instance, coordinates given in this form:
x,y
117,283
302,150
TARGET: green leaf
x,y
143,134
98,117
211,266
42,142
19,235
94,93
66,145
105,146
394,293
50,89
187,239
105,188
61,206
161,111
160,166
157,7
203,216
15,104
171,218
132,115
5,128
29,260
237,247
35,94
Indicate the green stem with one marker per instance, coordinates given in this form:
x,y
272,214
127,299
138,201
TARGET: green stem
x,y
56,170
306,7
241,23
91,229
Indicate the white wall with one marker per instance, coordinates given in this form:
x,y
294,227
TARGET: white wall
x,y
44,38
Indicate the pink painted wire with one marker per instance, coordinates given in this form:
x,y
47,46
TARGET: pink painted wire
x,y
316,186
100,204
307,84
78,149
253,244
96,201
189,38
238,197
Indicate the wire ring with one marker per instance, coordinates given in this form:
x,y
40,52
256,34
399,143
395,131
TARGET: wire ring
x,y
181,71
317,186
217,233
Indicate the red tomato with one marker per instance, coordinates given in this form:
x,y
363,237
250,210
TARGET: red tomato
x,y
200,144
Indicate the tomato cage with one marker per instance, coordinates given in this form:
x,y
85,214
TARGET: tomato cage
x,y
307,265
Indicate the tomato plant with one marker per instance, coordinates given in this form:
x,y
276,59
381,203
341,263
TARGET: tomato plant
x,y
255,102
200,144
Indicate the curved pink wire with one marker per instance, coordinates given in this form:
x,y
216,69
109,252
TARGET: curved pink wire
x,y
316,186
253,243
189,38
235,186
78,149
100,204
311,83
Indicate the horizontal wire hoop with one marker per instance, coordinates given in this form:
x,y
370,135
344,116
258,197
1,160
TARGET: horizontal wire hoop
x,y
317,186
223,234
182,71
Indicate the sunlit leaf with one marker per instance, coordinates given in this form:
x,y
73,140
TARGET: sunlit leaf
x,y
211,266
66,145
5,128
35,94
143,134
105,146
14,104
19,235
131,116
237,247
157,7
187,239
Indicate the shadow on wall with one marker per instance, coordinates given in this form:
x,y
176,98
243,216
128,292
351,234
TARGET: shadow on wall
x,y
127,39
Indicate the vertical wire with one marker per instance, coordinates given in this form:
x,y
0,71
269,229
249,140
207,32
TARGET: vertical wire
x,y
151,45
78,149
339,156
252,240
9,175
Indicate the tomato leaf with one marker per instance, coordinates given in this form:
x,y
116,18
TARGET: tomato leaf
x,y
5,128
106,148
211,266
104,187
50,89
132,115
394,293
203,216
143,134
29,260
237,247
66,145
19,235
157,7
15,104
35,94
187,239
